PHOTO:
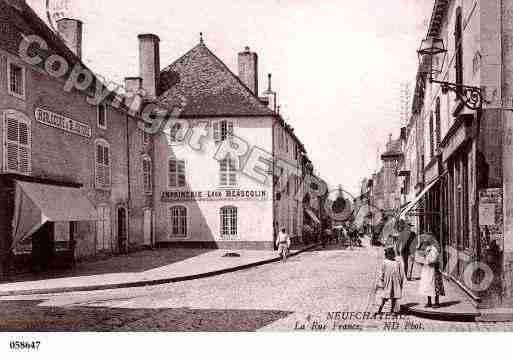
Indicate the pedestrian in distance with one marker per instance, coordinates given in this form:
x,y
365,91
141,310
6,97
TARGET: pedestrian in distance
x,y
391,280
431,281
283,243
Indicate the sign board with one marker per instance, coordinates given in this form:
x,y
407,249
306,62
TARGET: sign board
x,y
487,214
63,123
214,195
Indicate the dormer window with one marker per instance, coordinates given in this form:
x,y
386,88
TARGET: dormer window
x,y
102,117
16,80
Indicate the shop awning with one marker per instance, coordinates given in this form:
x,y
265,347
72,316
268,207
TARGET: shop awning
x,y
312,216
36,204
413,204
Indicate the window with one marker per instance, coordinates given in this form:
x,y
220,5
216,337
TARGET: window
x,y
102,164
103,229
227,172
229,221
16,80
102,116
146,134
174,132
17,143
147,172
222,130
458,43
176,173
178,222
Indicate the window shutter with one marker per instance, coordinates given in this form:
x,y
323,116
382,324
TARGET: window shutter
x,y
216,131
172,173
230,129
181,173
223,169
233,173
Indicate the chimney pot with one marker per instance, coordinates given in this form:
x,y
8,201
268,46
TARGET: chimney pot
x,y
71,32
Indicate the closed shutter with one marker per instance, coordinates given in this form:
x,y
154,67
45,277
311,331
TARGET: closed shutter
x,y
99,229
180,165
229,130
102,165
232,172
223,171
17,142
107,232
172,173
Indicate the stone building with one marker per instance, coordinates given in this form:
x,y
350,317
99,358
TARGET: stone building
x,y
464,196
227,168
70,165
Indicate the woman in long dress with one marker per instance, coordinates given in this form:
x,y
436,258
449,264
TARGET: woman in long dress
x,y
431,280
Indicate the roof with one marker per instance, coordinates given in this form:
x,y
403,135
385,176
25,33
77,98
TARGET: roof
x,y
209,87
20,20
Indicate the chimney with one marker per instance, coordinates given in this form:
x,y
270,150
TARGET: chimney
x,y
71,33
248,69
149,63
133,84
270,95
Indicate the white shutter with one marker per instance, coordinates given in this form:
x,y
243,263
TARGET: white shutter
x,y
216,131
17,142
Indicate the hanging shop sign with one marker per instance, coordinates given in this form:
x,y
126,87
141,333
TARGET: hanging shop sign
x,y
62,123
215,195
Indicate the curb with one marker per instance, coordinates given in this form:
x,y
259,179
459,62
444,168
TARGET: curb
x,y
144,283
441,316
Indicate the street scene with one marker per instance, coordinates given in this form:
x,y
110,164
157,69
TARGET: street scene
x,y
165,174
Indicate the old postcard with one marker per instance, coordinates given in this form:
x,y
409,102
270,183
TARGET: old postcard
x,y
238,166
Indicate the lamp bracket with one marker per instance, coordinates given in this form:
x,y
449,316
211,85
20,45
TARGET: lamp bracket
x,y
471,96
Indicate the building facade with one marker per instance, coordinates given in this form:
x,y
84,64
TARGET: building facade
x,y
60,146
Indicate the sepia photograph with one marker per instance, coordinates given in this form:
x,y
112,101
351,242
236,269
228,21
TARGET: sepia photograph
x,y
274,166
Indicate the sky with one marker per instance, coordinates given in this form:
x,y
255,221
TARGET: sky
x,y
337,65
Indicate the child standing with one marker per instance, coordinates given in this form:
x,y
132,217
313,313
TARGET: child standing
x,y
391,280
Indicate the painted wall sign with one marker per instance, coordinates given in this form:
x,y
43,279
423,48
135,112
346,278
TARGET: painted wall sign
x,y
491,225
63,123
216,195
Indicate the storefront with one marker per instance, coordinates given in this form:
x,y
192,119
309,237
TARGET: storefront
x,y
40,224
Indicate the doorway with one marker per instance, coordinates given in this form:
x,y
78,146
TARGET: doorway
x,y
122,230
147,227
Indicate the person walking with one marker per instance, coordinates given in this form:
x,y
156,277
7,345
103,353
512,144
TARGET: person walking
x,y
391,280
406,237
283,243
431,281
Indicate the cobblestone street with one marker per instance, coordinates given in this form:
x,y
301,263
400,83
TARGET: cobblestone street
x,y
272,297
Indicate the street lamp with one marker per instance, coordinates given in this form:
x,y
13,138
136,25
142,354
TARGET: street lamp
x,y
432,53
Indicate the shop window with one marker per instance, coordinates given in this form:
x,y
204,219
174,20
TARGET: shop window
x,y
103,229
176,173
222,130
147,174
229,221
16,80
103,160
102,116
178,223
17,143
227,172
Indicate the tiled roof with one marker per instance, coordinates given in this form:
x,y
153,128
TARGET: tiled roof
x,y
209,87
23,21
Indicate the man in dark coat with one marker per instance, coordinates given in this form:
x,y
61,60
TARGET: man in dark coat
x,y
406,236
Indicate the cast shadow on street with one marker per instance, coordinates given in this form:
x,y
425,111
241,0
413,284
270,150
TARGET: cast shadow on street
x,y
27,316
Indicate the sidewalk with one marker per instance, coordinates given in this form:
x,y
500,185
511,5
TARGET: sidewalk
x,y
454,306
144,269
